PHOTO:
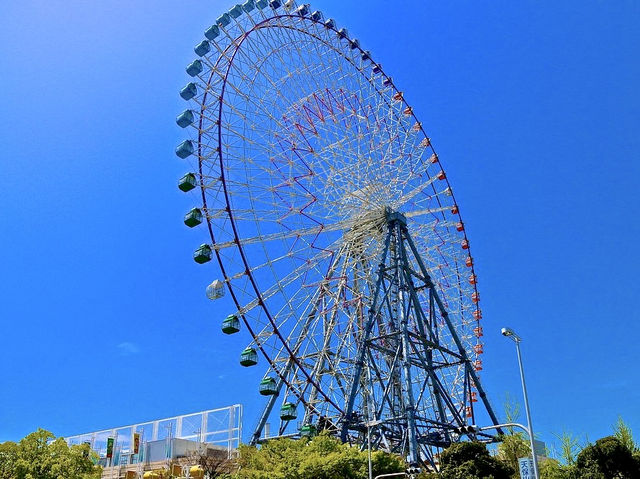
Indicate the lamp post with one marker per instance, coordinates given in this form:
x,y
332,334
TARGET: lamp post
x,y
509,333
393,474
369,425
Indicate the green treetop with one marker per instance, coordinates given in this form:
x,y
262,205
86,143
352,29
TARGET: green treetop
x,y
41,456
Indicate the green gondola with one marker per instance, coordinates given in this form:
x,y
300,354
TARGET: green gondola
x,y
249,357
231,324
187,182
202,254
288,412
268,387
193,217
308,430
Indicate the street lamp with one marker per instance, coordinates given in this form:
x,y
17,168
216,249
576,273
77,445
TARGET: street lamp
x,y
393,474
369,425
509,333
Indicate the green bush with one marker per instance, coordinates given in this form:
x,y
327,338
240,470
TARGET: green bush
x,y
471,460
322,457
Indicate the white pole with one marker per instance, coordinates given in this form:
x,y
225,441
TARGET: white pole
x,y
393,474
113,453
369,449
526,408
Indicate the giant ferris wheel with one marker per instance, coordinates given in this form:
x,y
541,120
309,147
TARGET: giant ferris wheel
x,y
336,231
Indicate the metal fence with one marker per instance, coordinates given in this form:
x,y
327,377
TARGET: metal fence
x,y
221,427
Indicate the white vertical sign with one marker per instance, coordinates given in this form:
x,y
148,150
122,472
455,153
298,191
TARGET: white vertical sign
x,y
526,468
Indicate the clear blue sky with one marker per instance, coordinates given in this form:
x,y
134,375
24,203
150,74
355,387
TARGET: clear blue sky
x,y
533,107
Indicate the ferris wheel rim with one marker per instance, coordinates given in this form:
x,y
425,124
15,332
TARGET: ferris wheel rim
x,y
221,262
238,238
252,280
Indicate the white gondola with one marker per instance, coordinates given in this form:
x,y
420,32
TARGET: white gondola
x,y
215,290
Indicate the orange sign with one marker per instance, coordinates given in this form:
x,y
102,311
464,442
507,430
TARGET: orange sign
x,y
136,442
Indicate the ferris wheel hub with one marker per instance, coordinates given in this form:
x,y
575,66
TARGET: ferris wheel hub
x,y
395,216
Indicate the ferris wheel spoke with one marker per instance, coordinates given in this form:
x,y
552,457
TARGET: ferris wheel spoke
x,y
282,283
329,313
313,345
428,211
287,234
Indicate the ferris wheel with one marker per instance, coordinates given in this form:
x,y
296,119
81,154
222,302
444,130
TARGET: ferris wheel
x,y
336,232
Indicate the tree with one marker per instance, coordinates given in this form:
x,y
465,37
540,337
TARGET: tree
x,y
471,460
41,456
511,448
322,457
608,458
213,462
511,411
513,445
552,469
623,433
8,458
569,448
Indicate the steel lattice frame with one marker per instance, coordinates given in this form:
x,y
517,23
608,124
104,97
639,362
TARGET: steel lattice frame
x,y
304,150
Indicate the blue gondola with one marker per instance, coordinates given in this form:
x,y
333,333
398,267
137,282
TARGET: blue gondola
x,y
248,5
236,11
185,118
189,91
202,48
223,20
212,32
184,149
194,68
